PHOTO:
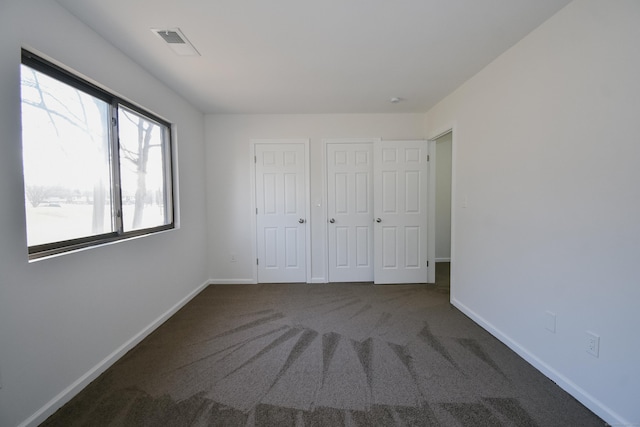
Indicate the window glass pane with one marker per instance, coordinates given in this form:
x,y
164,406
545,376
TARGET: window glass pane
x,y
143,171
65,140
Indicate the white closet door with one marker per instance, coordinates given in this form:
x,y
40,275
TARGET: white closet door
x,y
350,211
281,214
400,210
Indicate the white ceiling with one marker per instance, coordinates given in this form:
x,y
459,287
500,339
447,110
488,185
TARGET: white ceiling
x,y
322,56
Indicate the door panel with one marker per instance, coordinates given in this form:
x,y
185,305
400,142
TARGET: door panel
x,y
363,246
280,202
412,247
389,247
271,245
349,204
400,205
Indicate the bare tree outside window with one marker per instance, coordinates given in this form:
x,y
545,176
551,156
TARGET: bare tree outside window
x,y
36,194
65,142
141,170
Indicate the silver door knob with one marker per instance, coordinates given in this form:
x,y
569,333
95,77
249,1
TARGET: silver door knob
x,y
378,220
332,220
301,221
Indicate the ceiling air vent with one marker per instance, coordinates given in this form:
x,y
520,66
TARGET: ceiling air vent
x,y
175,39
171,36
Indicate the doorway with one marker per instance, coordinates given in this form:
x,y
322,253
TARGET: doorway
x,y
443,186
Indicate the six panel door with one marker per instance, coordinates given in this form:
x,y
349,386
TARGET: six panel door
x,y
281,214
400,210
350,211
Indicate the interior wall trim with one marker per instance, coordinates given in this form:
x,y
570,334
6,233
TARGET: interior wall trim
x,y
233,281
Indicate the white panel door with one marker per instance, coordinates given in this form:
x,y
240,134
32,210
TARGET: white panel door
x,y
350,211
281,214
400,210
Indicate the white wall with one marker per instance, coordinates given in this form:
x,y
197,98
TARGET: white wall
x,y
443,197
547,151
61,317
229,162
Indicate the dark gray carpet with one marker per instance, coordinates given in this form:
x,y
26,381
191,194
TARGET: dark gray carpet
x,y
322,355
443,275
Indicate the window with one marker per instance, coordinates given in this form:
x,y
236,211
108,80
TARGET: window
x,y
96,168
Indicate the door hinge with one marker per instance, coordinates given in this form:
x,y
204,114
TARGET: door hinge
x,y
257,262
428,157
114,121
255,159
256,211
427,263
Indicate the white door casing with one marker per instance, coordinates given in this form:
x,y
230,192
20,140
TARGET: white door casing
x,y
281,194
350,211
401,211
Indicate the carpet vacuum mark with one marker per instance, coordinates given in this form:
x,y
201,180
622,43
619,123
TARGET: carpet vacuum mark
x,y
322,355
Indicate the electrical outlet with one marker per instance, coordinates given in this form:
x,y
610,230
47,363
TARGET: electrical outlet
x,y
550,322
593,344
232,257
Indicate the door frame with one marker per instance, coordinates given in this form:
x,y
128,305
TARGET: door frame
x,y
451,128
325,192
431,212
307,183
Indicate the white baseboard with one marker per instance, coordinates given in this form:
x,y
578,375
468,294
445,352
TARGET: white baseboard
x,y
442,260
253,282
563,382
68,393
233,282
